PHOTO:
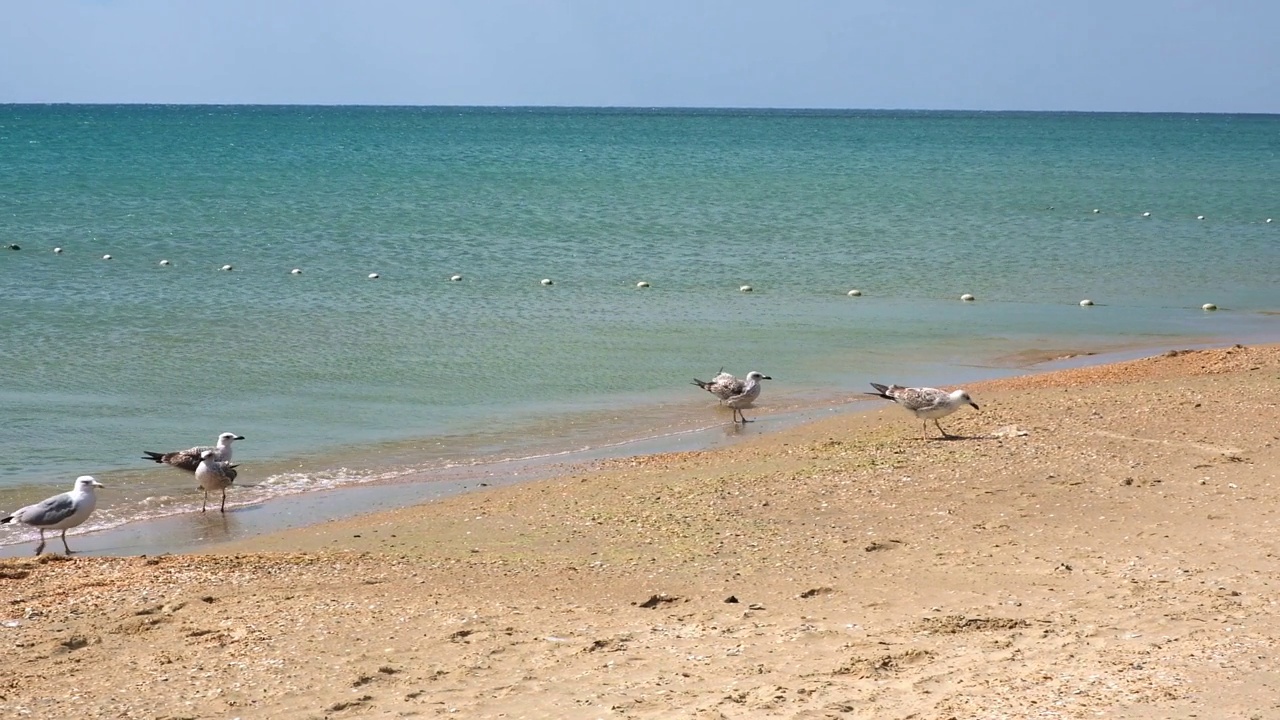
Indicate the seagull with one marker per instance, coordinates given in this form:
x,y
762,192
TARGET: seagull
x,y
214,474
733,392
926,403
190,458
60,512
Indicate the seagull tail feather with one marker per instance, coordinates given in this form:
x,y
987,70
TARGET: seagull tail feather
x,y
157,457
881,391
701,383
6,519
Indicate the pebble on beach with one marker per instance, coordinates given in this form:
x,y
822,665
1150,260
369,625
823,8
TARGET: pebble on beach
x,y
745,288
1086,302
547,281
855,293
1208,306
967,297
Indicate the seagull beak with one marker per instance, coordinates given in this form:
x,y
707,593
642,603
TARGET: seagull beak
x,y
239,437
98,484
975,405
767,377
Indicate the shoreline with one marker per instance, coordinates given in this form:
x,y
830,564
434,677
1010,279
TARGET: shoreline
x,y
1097,541
185,532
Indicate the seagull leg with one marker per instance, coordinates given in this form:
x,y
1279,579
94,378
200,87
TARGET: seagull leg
x,y
946,435
206,501
40,547
223,508
64,542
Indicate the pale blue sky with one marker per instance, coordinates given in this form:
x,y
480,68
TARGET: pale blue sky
x,y
1136,55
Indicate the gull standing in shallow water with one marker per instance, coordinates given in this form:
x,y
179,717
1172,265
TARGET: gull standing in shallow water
x,y
733,392
189,459
60,512
925,403
214,474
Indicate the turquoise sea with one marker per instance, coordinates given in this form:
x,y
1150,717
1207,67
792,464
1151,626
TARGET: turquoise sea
x,y
337,379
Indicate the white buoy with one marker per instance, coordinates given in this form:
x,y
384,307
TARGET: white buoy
x,y
547,281
745,288
1199,217
296,271
1146,214
966,297
373,276
455,278
1208,306
227,268
855,293
1268,219
164,263
1096,211
106,257
58,251
1086,302
642,284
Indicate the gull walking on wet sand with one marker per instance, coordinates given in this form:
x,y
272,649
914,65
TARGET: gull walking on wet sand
x,y
926,403
734,392
60,512
189,459
214,474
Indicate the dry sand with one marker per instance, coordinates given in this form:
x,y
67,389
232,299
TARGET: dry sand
x,y
1101,543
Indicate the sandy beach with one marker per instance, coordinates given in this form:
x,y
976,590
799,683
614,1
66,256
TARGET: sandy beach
x,y
1098,542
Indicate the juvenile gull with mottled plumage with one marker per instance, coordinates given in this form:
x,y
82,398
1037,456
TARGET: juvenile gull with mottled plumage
x,y
214,474
60,512
734,392
189,459
925,403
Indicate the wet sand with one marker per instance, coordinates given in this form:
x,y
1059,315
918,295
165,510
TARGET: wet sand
x,y
1099,542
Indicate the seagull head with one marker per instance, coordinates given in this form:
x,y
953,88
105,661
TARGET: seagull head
x,y
757,375
228,438
208,454
87,482
963,397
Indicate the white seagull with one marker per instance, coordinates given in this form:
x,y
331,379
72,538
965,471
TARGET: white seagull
x,y
734,392
214,474
60,512
926,403
189,459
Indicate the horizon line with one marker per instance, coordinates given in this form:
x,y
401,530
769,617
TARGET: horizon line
x,y
646,108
